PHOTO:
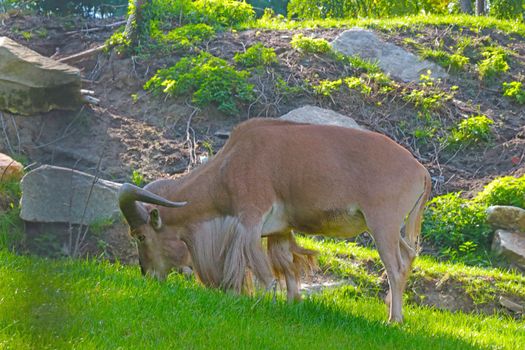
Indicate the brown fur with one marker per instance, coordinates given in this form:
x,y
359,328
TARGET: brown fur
x,y
272,177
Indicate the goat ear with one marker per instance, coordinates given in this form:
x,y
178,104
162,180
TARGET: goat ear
x,y
154,219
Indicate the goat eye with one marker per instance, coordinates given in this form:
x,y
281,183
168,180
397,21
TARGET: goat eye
x,y
141,238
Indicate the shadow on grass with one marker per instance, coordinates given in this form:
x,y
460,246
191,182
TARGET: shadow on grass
x,y
85,305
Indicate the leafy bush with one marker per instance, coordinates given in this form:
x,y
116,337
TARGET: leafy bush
x,y
458,226
508,9
184,37
225,13
493,64
507,190
356,83
310,45
208,78
256,56
515,91
471,131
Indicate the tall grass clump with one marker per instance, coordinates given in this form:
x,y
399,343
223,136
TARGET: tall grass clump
x,y
11,226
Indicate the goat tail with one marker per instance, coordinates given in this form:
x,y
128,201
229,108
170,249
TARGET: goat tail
x,y
415,217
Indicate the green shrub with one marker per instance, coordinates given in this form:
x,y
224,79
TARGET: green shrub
x,y
458,228
190,35
515,91
452,224
256,56
225,13
471,131
507,190
208,79
310,45
508,9
493,64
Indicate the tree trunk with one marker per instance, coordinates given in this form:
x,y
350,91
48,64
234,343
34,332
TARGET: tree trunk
x,y
465,6
134,22
480,7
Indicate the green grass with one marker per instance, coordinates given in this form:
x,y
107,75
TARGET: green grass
x,y
59,304
362,265
474,22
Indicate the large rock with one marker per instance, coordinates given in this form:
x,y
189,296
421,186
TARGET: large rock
x,y
507,218
31,83
10,170
398,62
316,115
511,245
54,194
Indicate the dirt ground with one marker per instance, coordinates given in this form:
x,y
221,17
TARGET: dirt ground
x,y
131,130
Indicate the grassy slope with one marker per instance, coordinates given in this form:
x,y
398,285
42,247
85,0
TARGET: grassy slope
x,y
481,286
64,304
396,22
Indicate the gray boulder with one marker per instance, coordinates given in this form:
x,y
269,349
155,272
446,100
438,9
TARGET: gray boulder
x,y
392,59
55,194
511,245
507,218
31,83
316,115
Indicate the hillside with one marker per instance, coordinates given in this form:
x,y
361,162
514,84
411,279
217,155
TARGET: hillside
x,y
156,118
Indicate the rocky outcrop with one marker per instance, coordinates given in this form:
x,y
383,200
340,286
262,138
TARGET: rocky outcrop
x,y
511,245
31,83
509,238
54,194
316,115
506,217
10,169
392,59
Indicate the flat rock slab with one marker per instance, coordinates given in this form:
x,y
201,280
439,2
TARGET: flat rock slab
x,y
55,194
511,245
10,169
392,59
316,115
507,218
31,83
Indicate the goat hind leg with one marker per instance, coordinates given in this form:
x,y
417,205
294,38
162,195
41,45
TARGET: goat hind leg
x,y
388,245
282,261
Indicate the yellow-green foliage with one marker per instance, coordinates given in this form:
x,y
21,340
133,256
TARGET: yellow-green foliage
x,y
493,64
256,56
507,190
515,91
224,13
471,131
454,61
310,45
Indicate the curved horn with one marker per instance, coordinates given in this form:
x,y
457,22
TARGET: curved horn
x,y
135,214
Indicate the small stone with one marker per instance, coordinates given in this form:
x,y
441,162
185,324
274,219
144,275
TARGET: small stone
x,y
316,115
507,218
510,245
10,169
